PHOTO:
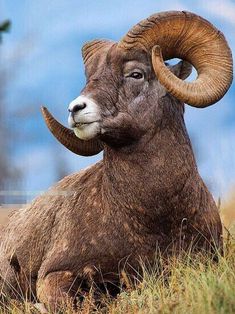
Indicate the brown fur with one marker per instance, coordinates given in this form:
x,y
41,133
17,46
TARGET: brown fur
x,y
145,196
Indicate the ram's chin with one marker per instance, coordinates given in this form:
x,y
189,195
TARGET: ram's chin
x,y
87,131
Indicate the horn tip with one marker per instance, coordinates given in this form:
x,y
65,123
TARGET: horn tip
x,y
43,108
45,112
156,50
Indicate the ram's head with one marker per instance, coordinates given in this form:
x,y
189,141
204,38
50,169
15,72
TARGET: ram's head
x,y
125,80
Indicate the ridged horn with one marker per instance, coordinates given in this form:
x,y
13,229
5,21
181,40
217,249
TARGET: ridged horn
x,y
184,35
67,137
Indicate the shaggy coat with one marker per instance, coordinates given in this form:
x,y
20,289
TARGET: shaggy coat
x,y
144,198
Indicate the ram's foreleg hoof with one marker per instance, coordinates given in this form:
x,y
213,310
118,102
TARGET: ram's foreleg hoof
x,y
57,291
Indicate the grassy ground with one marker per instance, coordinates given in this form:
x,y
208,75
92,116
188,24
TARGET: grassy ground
x,y
190,287
187,286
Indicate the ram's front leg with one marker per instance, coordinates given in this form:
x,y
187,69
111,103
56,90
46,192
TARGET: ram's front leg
x,y
57,290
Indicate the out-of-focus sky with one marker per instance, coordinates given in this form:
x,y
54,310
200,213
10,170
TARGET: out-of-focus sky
x,y
41,58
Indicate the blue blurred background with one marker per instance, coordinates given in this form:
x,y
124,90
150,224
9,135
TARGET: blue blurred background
x,y
41,64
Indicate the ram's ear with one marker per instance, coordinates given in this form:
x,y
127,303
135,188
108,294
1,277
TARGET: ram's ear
x,y
182,69
92,51
97,48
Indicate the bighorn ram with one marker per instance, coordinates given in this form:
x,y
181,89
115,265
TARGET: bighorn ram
x,y
146,194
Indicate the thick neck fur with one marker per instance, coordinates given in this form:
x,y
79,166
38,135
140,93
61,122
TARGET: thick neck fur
x,y
157,171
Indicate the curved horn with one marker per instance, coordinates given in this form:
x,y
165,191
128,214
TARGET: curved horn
x,y
185,35
69,139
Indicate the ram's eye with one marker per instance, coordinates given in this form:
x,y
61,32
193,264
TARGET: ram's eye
x,y
136,75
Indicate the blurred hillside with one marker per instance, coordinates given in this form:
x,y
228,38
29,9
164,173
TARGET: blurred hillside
x,y
228,213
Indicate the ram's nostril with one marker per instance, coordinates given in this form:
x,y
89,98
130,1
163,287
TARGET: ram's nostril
x,y
78,107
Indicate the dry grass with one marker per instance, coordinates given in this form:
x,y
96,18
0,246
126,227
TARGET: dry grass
x,y
195,286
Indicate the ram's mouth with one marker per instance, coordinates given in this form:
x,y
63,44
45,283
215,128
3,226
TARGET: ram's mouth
x,y
86,130
82,124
